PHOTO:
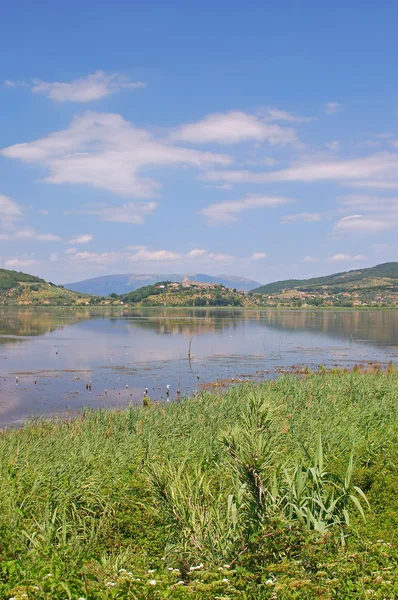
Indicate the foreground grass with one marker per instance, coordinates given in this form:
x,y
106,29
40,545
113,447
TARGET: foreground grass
x,y
253,493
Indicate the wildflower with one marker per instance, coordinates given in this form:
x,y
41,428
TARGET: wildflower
x,y
269,582
225,580
227,566
180,582
151,570
81,598
12,598
196,568
110,584
122,571
48,575
35,587
152,582
176,571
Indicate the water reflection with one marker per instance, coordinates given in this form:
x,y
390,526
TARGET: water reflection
x,y
62,349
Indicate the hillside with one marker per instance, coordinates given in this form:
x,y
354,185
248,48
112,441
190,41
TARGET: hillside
x,y
374,283
128,282
18,289
187,293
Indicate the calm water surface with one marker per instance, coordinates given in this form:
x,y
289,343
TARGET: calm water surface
x,y
63,349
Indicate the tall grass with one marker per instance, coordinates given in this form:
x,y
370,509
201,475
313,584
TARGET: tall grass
x,y
249,493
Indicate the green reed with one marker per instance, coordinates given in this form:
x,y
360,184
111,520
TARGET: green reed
x,y
258,488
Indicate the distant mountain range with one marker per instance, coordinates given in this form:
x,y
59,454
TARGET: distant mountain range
x,y
382,277
129,282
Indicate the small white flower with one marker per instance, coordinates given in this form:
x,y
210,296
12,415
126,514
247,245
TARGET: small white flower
x,y
129,574
48,575
152,582
35,587
227,566
196,568
220,569
269,582
110,584
151,570
12,598
170,569
176,571
180,582
225,580
81,598
122,571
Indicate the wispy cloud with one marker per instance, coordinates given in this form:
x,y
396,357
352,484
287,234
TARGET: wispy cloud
x,y
373,214
84,89
105,151
274,114
258,256
332,107
133,212
347,257
362,225
232,128
304,217
380,169
10,211
29,234
311,259
19,263
82,239
227,212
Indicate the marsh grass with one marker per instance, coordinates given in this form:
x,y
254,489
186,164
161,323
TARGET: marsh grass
x,y
285,489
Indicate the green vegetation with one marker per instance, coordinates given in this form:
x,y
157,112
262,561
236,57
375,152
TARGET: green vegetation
x,y
10,279
377,284
257,492
18,289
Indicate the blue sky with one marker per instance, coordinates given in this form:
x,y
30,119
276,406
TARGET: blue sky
x,y
257,139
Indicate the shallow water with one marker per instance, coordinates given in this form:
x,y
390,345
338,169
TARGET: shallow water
x,y
63,349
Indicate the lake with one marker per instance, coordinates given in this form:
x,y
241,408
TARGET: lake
x,y
48,356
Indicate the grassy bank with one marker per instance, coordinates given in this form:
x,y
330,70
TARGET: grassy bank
x,y
254,493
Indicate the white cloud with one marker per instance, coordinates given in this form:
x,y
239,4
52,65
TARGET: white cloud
x,y
362,225
275,114
380,169
332,107
266,161
104,151
312,259
54,257
17,263
226,212
105,258
132,212
304,217
86,89
10,211
346,257
70,251
82,239
43,212
232,128
334,145
258,256
196,253
31,235
154,255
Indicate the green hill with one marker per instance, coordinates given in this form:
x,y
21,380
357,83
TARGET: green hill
x,y
22,289
382,277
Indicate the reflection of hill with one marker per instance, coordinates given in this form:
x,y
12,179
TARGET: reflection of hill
x,y
187,321
21,322
374,326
